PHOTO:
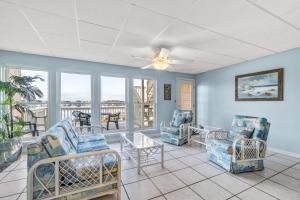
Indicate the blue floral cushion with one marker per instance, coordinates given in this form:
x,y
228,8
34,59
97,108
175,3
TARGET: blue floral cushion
x,y
92,146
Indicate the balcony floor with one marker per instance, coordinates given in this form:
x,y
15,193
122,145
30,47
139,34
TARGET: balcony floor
x,y
187,175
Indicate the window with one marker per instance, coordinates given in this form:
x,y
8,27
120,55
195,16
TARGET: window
x,y
75,94
113,103
39,107
144,103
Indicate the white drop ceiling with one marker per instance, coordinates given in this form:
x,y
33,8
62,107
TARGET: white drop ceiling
x,y
213,33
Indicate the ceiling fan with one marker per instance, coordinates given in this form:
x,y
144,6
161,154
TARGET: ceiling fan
x,y
161,60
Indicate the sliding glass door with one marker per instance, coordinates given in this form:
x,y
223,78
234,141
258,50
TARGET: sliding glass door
x,y
144,103
113,103
75,95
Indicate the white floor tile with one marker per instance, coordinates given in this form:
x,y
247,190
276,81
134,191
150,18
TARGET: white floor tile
x,y
287,181
123,194
275,165
189,176
12,187
2,175
178,153
297,166
23,196
295,173
159,198
131,175
22,165
155,170
167,183
210,191
142,190
128,164
15,175
281,160
249,178
11,197
230,183
207,170
256,194
266,173
173,165
185,193
202,156
190,160
278,190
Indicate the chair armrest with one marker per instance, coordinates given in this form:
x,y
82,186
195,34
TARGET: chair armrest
x,y
217,134
85,130
91,172
245,149
183,130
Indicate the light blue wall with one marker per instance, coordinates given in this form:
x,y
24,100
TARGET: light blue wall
x,y
216,104
55,65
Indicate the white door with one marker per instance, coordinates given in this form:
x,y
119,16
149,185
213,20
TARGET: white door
x,y
186,95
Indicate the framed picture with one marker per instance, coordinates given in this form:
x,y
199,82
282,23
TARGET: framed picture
x,y
167,92
260,86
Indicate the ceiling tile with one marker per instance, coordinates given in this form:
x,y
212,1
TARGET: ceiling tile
x,y
217,58
145,22
97,33
279,7
110,13
94,50
55,42
51,24
293,17
173,8
11,17
177,33
59,7
134,41
208,41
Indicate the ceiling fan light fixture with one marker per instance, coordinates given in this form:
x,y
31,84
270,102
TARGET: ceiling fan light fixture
x,y
161,64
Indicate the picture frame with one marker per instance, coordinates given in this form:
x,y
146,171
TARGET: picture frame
x,y
260,86
167,92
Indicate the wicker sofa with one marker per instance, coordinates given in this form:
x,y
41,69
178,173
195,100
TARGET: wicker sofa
x,y
176,132
243,148
72,163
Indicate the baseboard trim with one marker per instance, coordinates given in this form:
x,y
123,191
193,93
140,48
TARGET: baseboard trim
x,y
288,153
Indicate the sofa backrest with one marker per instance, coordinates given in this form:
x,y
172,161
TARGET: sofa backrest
x,y
260,126
70,132
56,142
181,117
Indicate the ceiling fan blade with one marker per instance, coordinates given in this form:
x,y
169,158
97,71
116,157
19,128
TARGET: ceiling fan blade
x,y
142,58
174,62
147,66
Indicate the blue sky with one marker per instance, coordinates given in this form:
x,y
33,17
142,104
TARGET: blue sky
x,y
78,86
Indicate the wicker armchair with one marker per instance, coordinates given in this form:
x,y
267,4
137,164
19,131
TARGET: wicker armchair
x,y
176,132
243,148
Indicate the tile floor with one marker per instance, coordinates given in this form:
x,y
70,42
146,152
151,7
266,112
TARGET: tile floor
x,y
187,175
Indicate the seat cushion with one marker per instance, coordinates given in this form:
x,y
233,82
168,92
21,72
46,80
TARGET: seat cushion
x,y
224,146
92,146
91,138
172,130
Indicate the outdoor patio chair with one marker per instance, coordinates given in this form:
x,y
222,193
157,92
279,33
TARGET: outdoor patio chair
x,y
113,118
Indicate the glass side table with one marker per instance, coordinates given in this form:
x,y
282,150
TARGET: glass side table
x,y
201,132
143,150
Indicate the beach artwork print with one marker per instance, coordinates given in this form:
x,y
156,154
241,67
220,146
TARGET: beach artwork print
x,y
260,86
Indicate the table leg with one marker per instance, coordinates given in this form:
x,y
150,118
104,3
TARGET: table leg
x,y
162,156
189,135
139,161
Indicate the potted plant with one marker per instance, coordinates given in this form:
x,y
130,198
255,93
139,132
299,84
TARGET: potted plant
x,y
11,125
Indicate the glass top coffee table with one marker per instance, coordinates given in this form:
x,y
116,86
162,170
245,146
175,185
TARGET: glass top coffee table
x,y
143,150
